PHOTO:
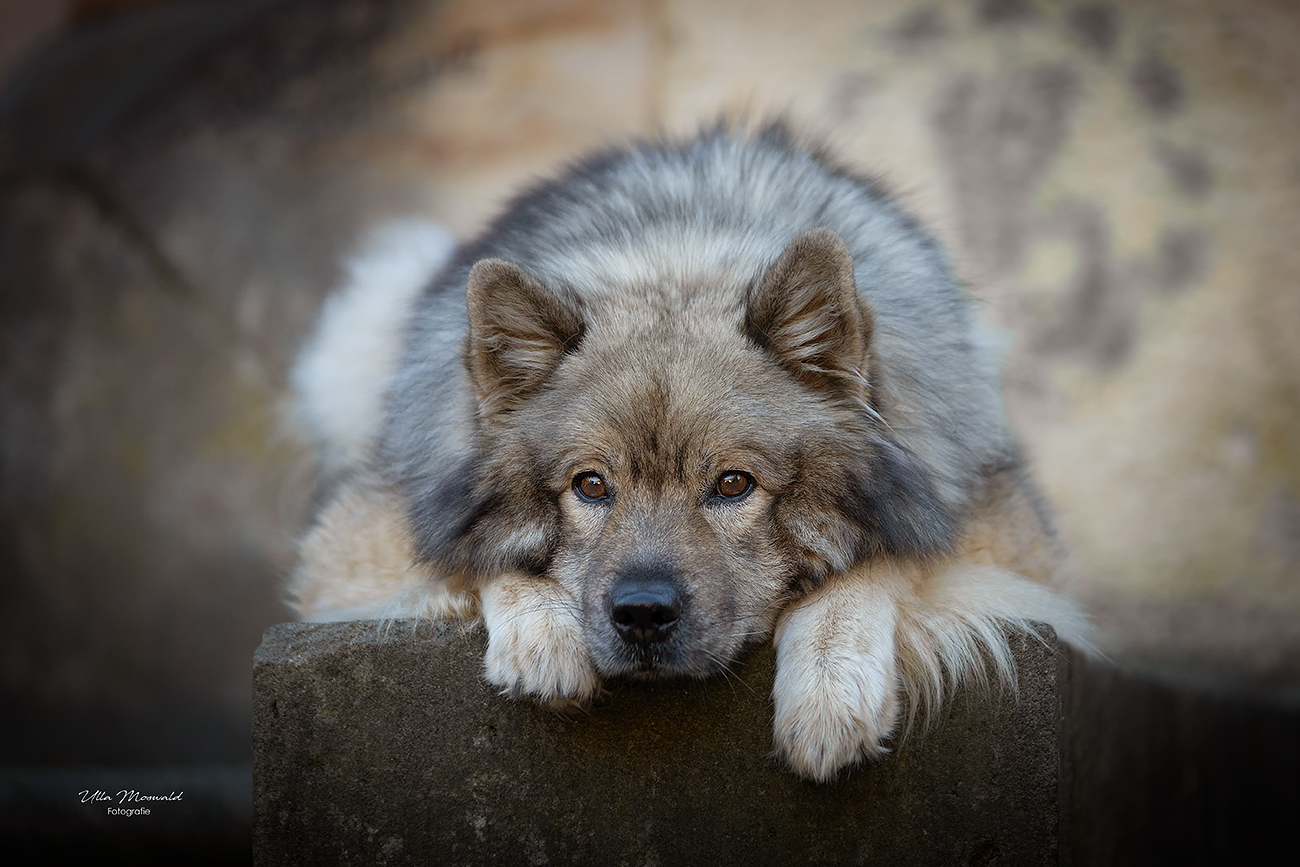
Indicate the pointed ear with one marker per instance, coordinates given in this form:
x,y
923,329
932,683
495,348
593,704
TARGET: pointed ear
x,y
808,314
518,331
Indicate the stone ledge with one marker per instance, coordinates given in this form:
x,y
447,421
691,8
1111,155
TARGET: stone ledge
x,y
389,748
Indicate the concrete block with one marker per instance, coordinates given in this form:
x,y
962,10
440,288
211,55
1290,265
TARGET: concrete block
x,y
387,747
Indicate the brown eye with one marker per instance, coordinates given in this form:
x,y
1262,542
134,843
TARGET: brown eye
x,y
590,486
732,485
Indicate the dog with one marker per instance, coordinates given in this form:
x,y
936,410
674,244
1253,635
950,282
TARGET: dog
x,y
682,399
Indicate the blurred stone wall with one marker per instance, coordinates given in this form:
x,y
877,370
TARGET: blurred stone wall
x,y
1118,183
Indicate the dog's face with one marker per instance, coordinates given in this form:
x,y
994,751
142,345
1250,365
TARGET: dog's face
x,y
683,476
666,459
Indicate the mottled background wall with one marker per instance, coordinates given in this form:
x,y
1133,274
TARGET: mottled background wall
x,y
1119,182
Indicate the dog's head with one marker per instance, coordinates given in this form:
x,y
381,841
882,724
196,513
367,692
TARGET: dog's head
x,y
684,467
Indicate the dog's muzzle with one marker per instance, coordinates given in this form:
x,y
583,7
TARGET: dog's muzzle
x,y
644,610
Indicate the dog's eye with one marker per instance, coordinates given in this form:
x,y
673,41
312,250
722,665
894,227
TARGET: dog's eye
x,y
590,486
733,485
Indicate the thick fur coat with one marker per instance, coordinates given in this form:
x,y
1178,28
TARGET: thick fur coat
x,y
682,399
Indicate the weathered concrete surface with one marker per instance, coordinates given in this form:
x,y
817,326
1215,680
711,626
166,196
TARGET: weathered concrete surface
x,y
391,749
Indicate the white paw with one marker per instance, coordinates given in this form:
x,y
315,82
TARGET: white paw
x,y
836,694
832,713
535,643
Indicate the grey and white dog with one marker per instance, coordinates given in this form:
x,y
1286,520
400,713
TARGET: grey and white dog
x,y
680,400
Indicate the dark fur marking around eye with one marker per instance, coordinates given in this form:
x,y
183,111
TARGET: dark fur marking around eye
x,y
845,508
444,511
465,525
896,504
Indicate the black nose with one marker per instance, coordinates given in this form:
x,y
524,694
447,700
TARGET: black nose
x,y
644,612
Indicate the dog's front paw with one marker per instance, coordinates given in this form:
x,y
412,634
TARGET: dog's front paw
x,y
535,643
836,695
831,711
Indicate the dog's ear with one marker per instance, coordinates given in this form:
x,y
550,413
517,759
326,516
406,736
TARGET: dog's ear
x,y
518,331
846,507
806,311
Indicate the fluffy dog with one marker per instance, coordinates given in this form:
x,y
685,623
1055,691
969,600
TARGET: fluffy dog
x,y
679,400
